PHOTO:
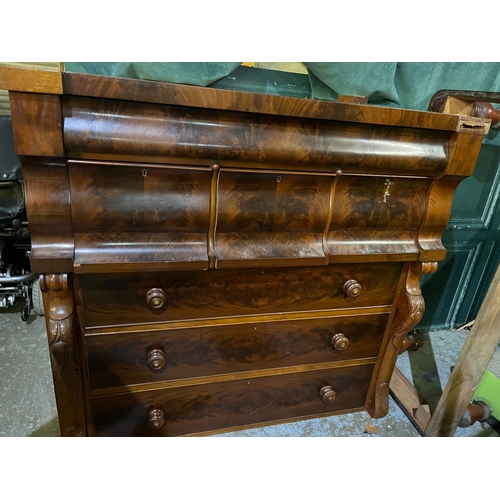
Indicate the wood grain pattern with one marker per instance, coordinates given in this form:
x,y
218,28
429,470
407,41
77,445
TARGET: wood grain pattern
x,y
139,198
185,95
98,252
125,213
437,215
30,80
410,307
465,152
49,214
121,359
379,203
210,236
211,407
378,216
269,202
121,299
37,124
64,353
120,127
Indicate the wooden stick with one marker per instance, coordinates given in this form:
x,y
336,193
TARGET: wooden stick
x,y
466,326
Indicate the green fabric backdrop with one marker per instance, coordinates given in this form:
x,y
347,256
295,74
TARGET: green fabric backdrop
x,y
191,73
405,84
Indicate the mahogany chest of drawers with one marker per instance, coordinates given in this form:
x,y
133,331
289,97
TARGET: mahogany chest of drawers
x,y
213,260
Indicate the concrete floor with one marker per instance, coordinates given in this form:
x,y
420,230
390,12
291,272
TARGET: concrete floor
x,y
28,408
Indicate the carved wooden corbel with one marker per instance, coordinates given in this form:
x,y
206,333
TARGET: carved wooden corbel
x,y
59,318
410,308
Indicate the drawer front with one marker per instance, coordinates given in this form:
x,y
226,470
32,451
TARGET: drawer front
x,y
120,197
223,405
129,298
137,358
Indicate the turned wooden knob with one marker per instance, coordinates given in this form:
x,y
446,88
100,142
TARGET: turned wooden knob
x,y
327,394
486,110
352,288
340,342
156,419
156,298
156,360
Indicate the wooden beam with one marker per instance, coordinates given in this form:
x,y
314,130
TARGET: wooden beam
x,y
471,365
408,399
31,80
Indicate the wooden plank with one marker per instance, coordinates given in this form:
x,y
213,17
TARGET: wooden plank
x,y
45,66
471,365
31,80
144,91
408,399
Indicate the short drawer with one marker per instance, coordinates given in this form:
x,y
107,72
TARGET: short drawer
x,y
137,358
125,299
224,405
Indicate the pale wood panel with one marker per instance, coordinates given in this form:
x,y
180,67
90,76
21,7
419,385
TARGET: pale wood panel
x,y
4,95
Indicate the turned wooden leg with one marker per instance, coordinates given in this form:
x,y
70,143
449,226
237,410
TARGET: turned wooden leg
x,y
64,354
410,308
486,110
475,412
411,343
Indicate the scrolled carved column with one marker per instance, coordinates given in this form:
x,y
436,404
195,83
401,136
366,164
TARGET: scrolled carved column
x,y
64,356
410,308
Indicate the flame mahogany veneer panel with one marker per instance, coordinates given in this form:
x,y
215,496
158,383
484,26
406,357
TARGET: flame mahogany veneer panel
x,y
103,126
231,236
222,405
121,299
120,360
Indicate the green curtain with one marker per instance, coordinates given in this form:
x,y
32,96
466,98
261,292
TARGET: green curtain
x,y
407,85
191,73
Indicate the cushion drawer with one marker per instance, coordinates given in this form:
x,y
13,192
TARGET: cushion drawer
x,y
229,404
122,299
125,359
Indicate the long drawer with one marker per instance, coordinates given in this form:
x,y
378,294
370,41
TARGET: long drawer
x,y
138,358
221,405
127,299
